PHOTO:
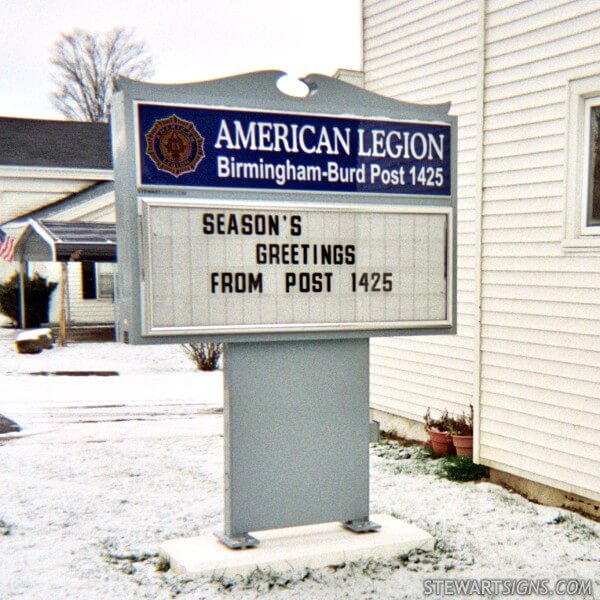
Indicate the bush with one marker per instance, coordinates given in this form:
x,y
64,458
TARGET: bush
x,y
207,356
461,468
37,299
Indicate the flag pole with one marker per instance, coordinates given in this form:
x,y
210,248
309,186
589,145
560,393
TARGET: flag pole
x,y
62,330
22,323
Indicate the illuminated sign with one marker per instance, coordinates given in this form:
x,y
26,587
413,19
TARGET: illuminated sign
x,y
227,148
236,267
244,214
293,229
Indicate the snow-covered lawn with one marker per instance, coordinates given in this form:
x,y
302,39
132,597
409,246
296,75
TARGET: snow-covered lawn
x,y
106,468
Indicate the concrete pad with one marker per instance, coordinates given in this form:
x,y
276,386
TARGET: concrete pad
x,y
295,548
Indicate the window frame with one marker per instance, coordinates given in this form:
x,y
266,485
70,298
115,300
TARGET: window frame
x,y
103,273
93,275
583,94
587,229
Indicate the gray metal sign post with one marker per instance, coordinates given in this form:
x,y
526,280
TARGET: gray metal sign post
x,y
293,229
297,436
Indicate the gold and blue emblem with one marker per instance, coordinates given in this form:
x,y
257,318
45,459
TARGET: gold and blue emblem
x,y
174,145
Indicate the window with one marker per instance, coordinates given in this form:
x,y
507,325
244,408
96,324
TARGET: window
x,y
88,280
105,280
97,280
582,161
593,166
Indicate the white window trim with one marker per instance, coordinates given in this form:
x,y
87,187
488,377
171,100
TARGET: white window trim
x,y
589,103
99,296
578,236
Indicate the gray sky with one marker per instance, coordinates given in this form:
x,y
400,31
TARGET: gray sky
x,y
190,40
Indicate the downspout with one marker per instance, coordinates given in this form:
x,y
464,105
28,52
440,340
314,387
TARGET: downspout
x,y
361,9
480,86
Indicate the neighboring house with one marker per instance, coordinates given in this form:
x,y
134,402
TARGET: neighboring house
x,y
59,171
524,80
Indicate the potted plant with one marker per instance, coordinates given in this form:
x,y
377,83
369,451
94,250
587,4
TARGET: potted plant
x,y
439,431
461,429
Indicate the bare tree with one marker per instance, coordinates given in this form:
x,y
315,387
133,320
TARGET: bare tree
x,y
87,65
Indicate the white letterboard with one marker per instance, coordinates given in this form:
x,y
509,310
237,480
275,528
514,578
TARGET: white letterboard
x,y
213,267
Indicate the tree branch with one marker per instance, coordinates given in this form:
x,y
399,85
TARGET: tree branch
x,y
86,66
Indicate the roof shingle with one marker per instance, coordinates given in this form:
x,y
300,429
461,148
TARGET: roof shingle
x,y
58,144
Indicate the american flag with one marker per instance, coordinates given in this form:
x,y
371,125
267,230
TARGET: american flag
x,y
7,246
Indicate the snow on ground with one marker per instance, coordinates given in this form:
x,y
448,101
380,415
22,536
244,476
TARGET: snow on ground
x,y
106,468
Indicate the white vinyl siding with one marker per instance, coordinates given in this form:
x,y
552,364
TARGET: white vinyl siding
x,y
421,51
540,372
80,311
100,209
25,189
7,269
86,311
19,196
539,388
51,271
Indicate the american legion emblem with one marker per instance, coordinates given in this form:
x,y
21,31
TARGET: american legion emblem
x,y
175,145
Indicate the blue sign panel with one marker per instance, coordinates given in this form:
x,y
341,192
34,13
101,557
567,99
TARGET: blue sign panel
x,y
228,148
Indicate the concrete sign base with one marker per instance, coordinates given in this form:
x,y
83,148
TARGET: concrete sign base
x,y
295,548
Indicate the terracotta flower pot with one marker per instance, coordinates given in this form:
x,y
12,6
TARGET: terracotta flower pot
x,y
441,442
463,445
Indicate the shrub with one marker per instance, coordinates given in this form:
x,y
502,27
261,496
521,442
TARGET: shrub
x,y
206,356
37,299
461,468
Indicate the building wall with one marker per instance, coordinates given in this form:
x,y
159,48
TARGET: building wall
x,y
100,209
24,189
86,311
7,269
540,366
529,357
51,271
79,311
426,52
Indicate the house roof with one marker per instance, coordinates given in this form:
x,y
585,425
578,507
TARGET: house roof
x,y
91,241
66,241
59,144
